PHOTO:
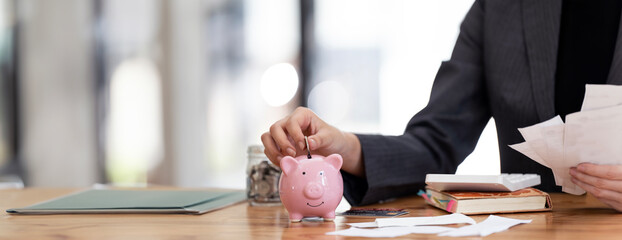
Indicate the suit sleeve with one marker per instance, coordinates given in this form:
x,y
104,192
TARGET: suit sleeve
x,y
438,138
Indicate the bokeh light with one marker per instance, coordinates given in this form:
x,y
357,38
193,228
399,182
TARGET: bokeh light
x,y
135,127
330,100
279,84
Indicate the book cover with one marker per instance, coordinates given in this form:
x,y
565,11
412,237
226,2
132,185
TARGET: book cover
x,y
469,202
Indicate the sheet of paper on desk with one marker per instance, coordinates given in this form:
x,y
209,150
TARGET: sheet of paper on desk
x,y
455,218
592,135
390,231
491,225
364,224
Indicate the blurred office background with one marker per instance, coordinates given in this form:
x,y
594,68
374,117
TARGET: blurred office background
x,y
136,92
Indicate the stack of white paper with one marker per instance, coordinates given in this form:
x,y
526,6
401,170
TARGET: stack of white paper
x,y
592,135
394,227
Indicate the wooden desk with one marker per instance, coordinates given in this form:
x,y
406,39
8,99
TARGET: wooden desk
x,y
573,217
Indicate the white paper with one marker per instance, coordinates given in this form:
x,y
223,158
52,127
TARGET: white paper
x,y
554,140
572,189
549,138
376,232
491,225
364,224
429,229
601,96
390,231
534,136
455,218
526,150
592,135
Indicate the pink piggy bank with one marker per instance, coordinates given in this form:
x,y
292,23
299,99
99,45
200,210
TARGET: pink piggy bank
x,y
311,187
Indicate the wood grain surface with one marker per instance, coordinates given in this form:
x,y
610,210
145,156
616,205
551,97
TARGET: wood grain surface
x,y
573,217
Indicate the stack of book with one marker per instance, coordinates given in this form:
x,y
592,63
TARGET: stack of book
x,y
469,202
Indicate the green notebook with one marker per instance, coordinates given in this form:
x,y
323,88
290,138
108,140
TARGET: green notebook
x,y
135,201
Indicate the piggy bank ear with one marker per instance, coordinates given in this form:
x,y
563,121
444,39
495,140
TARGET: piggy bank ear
x,y
335,160
289,165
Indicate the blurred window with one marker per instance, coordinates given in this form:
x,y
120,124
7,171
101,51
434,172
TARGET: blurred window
x,y
252,79
133,125
8,87
372,68
376,61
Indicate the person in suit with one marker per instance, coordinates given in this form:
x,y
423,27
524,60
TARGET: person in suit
x,y
519,62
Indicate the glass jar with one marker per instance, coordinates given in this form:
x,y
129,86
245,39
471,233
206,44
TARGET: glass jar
x,y
262,182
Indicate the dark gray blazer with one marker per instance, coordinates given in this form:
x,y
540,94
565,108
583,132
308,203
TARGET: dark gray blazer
x,y
502,66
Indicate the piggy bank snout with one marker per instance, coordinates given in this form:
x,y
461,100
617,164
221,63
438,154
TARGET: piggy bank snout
x,y
313,190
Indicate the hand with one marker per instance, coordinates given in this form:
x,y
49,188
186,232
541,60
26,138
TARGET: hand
x,y
286,138
602,181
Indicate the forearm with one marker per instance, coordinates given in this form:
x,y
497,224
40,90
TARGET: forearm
x,y
353,160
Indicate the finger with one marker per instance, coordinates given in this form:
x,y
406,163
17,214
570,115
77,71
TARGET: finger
x,y
612,172
281,139
298,124
597,182
295,128
299,151
271,149
598,192
295,132
611,203
322,139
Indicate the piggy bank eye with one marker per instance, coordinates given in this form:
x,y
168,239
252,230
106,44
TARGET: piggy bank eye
x,y
303,173
321,173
